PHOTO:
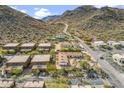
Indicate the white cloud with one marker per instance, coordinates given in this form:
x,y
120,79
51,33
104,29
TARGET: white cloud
x,y
42,13
23,11
36,8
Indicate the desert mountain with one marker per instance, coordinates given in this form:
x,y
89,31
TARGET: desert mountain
x,y
105,23
16,26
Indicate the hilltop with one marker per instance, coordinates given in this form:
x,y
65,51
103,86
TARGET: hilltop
x,y
16,26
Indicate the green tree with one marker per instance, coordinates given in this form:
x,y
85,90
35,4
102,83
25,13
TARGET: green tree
x,y
61,80
11,52
3,51
70,50
51,69
84,64
36,72
17,71
53,55
33,53
2,58
60,71
13,76
118,47
79,74
0,73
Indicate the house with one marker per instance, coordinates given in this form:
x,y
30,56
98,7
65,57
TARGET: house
x,y
113,43
121,43
11,46
34,84
60,37
98,43
44,47
119,59
18,61
66,45
40,62
27,47
63,45
7,83
63,59
71,55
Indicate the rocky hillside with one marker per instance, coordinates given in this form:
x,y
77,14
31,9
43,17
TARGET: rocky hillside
x,y
50,18
19,27
89,22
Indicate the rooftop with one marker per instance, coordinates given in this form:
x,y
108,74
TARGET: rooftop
x,y
121,42
6,83
11,45
99,42
113,42
28,45
19,58
34,84
119,55
62,58
44,45
60,36
71,53
41,58
63,44
39,66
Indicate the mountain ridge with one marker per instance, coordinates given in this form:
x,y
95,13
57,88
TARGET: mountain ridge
x,y
94,22
16,26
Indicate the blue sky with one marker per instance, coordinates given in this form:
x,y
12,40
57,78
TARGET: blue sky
x,y
40,11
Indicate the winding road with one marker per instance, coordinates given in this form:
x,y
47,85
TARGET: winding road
x,y
117,78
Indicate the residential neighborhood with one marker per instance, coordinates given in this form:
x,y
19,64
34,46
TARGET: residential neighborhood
x,y
62,63
43,64
62,53
65,61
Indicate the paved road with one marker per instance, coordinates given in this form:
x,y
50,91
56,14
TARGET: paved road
x,y
116,77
